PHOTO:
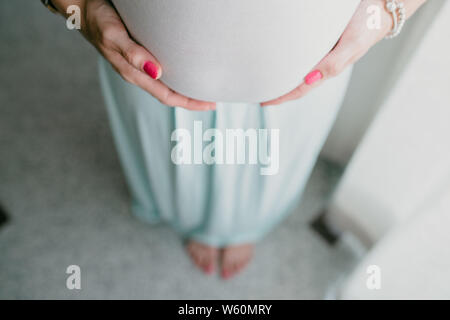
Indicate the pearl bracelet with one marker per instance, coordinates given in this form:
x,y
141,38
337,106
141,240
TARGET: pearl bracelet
x,y
398,11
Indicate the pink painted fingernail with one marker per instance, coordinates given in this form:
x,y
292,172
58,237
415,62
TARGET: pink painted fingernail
x,y
313,77
151,69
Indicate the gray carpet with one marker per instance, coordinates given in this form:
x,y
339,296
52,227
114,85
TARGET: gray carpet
x,y
62,185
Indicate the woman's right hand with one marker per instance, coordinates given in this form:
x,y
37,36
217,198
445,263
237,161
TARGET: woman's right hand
x,y
102,26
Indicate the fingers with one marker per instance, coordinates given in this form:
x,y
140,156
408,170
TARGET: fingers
x,y
138,66
140,58
295,94
330,66
174,99
159,90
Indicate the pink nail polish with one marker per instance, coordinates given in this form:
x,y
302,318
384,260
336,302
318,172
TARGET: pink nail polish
x,y
151,69
313,77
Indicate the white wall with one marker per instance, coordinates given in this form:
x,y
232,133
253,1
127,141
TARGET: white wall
x,y
372,80
405,155
413,261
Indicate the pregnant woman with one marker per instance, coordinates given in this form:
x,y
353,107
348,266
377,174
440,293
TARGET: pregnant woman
x,y
176,72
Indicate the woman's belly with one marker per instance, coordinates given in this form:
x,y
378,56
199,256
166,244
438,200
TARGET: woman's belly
x,y
236,50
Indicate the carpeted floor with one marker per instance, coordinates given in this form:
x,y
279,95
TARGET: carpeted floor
x,y
62,186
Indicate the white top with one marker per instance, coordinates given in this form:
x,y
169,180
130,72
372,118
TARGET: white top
x,y
236,51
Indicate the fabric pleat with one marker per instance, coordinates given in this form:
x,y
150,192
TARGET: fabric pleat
x,y
218,204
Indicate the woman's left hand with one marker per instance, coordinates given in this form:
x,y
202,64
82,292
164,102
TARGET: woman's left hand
x,y
354,43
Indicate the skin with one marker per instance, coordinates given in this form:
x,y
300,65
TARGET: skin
x,y
103,28
354,43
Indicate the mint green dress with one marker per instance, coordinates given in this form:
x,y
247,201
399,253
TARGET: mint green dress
x,y
219,204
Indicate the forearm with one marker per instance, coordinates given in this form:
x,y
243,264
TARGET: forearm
x,y
62,5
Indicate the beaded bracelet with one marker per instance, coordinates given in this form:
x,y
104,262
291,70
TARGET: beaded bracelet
x,y
398,11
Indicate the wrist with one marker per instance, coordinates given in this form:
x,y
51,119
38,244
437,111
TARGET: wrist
x,y
387,23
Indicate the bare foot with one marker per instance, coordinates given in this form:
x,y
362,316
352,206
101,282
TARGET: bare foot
x,y
235,258
203,256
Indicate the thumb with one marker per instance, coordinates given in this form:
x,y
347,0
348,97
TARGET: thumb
x,y
140,58
332,65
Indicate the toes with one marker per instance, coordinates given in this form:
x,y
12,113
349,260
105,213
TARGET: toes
x,y
235,268
240,266
208,268
235,259
231,270
227,266
207,264
195,258
227,272
203,256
